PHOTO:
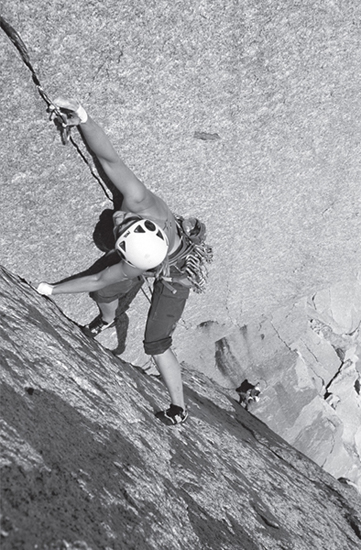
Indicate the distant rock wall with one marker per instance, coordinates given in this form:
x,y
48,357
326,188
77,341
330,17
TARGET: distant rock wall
x,y
85,465
307,359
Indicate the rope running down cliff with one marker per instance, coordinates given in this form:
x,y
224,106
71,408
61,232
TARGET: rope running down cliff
x,y
64,129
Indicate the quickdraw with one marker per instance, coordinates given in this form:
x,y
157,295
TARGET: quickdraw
x,y
196,266
192,258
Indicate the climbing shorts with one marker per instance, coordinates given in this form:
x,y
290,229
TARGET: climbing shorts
x,y
114,292
164,313
166,308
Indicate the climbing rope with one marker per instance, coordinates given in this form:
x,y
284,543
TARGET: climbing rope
x,y
149,289
65,130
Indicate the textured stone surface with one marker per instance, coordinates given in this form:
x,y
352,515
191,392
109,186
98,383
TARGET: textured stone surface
x,y
86,465
339,307
308,369
320,357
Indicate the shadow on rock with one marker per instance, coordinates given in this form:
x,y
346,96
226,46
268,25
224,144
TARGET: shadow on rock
x,y
75,469
103,235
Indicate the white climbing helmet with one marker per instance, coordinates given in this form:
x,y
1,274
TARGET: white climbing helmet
x,y
142,244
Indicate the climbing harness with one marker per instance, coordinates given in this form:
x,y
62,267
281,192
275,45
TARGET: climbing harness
x,y
65,129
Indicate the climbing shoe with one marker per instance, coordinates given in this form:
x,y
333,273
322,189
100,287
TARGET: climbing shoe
x,y
173,415
97,326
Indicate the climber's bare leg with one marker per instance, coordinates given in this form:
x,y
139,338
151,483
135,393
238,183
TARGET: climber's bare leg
x,y
108,310
170,371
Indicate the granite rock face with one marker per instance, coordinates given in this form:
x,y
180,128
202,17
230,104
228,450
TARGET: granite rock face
x,y
246,116
86,465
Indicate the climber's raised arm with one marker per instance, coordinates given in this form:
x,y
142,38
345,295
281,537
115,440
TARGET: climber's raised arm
x,y
136,196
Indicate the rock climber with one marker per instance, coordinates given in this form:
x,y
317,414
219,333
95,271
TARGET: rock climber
x,y
150,241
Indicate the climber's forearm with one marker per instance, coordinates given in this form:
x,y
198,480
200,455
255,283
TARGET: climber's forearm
x,y
89,283
133,190
98,141
136,197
